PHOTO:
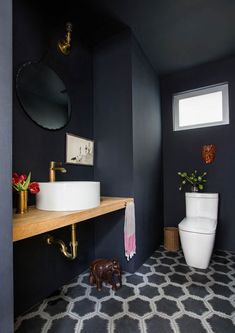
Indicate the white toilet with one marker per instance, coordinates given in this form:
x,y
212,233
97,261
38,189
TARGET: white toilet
x,y
197,229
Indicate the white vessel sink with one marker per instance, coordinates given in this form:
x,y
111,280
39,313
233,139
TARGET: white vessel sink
x,y
65,196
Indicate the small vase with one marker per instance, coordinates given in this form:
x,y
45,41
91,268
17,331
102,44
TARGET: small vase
x,y
194,189
22,207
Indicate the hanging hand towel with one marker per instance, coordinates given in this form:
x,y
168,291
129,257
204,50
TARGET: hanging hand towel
x,y
129,230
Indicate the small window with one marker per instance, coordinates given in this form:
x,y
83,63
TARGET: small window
x,y
202,107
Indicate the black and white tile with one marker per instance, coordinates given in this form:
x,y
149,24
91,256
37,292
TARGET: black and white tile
x,y
164,296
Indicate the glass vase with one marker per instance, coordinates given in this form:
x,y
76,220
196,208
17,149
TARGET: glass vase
x,y
22,204
194,189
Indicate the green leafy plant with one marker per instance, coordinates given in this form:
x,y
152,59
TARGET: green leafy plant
x,y
195,180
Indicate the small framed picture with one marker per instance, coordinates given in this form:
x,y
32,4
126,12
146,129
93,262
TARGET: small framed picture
x,y
79,150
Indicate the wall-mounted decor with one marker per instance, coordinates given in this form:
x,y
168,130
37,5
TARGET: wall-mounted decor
x,y
43,95
208,153
64,45
79,150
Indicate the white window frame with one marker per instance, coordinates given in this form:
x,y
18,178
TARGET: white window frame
x,y
223,87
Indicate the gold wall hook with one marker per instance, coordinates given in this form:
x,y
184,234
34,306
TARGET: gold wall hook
x,y
62,246
64,45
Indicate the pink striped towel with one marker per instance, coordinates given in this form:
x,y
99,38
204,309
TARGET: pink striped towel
x,y
129,231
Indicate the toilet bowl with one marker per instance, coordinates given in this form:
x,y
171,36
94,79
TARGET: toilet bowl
x,y
197,230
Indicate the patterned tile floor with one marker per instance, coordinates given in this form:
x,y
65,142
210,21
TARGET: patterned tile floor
x,y
163,296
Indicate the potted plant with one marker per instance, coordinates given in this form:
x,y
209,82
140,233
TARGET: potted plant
x,y
196,181
21,184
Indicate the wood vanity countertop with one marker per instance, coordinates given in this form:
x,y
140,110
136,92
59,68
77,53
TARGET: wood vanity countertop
x,y
36,221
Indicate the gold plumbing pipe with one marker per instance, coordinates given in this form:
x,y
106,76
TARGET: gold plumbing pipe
x,y
63,248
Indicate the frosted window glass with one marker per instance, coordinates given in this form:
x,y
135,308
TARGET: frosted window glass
x,y
201,109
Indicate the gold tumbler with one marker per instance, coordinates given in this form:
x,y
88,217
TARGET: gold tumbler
x,y
22,202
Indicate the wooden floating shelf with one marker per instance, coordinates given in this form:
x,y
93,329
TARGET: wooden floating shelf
x,y
37,222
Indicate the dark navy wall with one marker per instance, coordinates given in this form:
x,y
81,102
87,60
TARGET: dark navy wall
x,y
147,175
39,269
127,128
126,98
182,149
113,135
6,269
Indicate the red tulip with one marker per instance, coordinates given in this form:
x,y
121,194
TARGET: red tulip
x,y
22,178
34,187
16,179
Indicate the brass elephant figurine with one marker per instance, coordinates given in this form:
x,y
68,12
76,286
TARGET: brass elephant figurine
x,y
105,270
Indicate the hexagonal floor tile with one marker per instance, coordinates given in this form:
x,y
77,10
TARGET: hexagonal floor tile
x,y
156,279
173,291
219,324
162,325
182,261
134,279
232,258
125,292
167,306
111,307
182,269
84,307
195,306
163,269
199,278
94,324
188,324
220,253
149,291
144,269
75,291
220,260
148,282
125,324
221,290
139,307
202,270
167,261
34,324
178,278
65,324
104,292
56,306
197,290
85,279
171,254
221,305
220,268
157,254
232,265
222,278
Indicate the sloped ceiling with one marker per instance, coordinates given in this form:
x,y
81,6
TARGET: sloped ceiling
x,y
176,34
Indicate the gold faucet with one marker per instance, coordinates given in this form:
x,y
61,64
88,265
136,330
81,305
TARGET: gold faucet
x,y
55,166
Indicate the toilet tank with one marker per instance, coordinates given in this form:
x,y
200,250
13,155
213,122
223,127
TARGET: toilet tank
x,y
202,205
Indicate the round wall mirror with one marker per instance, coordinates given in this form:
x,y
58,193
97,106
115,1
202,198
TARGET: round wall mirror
x,y
43,95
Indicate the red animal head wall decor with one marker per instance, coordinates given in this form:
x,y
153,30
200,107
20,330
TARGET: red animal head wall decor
x,y
208,153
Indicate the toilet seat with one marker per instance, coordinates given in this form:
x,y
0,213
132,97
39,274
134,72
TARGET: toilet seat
x,y
198,225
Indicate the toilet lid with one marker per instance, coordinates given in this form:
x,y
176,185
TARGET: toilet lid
x,y
198,225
